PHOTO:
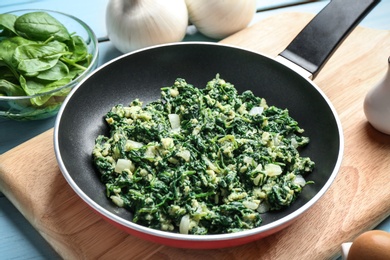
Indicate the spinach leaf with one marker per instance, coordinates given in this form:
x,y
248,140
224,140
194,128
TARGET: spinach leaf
x,y
74,72
78,48
9,89
40,26
8,74
59,71
38,55
33,86
8,46
33,58
7,22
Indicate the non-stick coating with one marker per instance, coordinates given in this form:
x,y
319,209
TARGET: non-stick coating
x,y
142,74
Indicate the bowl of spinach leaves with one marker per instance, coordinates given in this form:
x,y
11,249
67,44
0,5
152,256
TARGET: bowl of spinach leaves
x,y
43,55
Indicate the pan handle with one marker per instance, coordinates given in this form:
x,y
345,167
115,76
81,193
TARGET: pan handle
x,y
315,44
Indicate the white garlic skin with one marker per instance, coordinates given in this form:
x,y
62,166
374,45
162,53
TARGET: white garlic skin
x,y
135,24
220,18
377,104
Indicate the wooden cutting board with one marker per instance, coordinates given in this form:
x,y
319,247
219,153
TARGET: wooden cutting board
x,y
358,200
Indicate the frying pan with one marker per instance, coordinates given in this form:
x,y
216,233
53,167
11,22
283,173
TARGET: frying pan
x,y
142,73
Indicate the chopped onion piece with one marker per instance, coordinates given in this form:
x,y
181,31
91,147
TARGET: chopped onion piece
x,y
185,154
294,143
263,207
259,168
276,140
299,180
174,119
250,204
209,164
256,111
272,169
130,145
150,152
184,224
123,164
259,177
117,200
248,160
167,142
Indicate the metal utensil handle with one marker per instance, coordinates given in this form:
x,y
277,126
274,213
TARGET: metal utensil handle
x,y
315,44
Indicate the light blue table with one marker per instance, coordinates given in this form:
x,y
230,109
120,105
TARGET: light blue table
x,y
18,239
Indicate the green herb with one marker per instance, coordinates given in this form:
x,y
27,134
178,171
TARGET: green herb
x,y
37,55
7,22
202,161
40,26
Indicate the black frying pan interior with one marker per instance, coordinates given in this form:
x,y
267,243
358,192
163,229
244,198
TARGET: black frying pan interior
x,y
142,74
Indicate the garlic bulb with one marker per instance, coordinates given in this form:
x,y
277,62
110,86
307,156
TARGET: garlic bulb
x,y
377,103
220,18
134,24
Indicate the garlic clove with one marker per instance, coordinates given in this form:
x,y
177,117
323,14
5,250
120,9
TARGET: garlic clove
x,y
135,24
220,18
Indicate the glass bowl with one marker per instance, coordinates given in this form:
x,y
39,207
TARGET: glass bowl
x,y
47,104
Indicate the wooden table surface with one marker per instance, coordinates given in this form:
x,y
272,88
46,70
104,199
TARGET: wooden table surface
x,y
19,239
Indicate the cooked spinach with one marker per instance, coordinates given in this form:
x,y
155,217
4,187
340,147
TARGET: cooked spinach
x,y
37,55
201,161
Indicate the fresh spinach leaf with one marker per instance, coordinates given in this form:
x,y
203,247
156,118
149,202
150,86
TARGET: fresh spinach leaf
x,y
38,55
7,22
74,72
8,46
33,86
40,26
78,48
33,58
10,89
7,73
59,71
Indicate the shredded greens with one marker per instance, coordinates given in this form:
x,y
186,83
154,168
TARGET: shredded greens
x,y
202,161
